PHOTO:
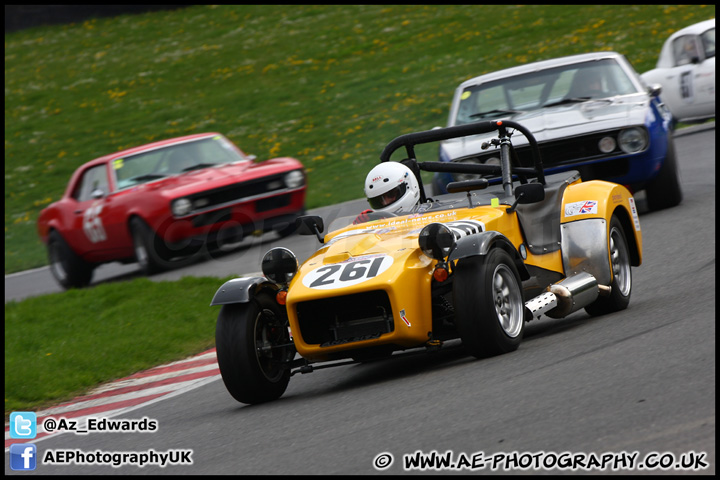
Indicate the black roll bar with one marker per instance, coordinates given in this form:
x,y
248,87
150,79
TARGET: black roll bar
x,y
439,134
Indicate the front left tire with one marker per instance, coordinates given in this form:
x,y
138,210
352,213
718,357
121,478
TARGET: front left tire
x,y
148,247
489,305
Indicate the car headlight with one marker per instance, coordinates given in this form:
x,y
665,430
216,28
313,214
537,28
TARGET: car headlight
x,y
607,144
294,179
436,241
279,265
633,140
181,207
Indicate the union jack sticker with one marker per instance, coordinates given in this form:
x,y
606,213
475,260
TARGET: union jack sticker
x,y
581,208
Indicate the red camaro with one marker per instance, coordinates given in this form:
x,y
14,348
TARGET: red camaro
x,y
165,201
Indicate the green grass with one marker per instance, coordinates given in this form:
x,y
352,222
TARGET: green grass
x,y
329,85
58,346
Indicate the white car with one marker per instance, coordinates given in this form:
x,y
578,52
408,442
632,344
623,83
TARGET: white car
x,y
686,72
590,113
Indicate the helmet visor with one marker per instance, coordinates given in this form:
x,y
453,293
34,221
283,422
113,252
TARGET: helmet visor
x,y
388,198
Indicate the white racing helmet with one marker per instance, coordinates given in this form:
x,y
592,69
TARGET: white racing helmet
x,y
392,187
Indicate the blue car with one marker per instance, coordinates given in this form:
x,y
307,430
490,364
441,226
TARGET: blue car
x,y
591,113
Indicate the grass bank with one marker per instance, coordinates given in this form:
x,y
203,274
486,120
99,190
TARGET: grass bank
x,y
60,345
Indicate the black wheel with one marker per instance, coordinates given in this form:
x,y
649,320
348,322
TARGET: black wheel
x,y
489,306
664,191
621,285
69,270
148,247
254,349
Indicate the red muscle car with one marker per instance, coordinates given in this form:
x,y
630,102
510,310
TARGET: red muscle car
x,y
163,202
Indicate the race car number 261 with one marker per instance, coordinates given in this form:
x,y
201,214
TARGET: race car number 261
x,y
348,273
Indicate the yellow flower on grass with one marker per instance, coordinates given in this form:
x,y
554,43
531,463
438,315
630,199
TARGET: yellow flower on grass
x,y
116,94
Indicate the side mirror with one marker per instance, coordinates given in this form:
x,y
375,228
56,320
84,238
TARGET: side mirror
x,y
97,193
310,225
654,90
527,193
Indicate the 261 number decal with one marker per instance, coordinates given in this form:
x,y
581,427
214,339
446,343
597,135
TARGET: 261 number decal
x,y
348,273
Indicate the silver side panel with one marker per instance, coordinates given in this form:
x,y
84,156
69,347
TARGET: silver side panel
x,y
585,249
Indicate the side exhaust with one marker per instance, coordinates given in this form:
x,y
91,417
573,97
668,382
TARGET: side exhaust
x,y
565,297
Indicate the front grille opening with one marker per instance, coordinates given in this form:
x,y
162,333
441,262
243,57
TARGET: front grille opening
x,y
266,204
569,150
237,192
344,319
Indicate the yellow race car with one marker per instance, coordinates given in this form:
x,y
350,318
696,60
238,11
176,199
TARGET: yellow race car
x,y
475,264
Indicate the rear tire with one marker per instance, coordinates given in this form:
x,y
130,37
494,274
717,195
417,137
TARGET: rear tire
x,y
489,306
621,286
254,349
69,270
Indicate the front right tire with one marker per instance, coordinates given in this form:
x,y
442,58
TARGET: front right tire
x,y
254,349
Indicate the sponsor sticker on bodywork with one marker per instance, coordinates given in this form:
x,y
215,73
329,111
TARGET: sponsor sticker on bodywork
x,y
404,318
633,210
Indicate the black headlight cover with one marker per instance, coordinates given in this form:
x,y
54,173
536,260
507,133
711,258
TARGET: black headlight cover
x,y
436,241
279,265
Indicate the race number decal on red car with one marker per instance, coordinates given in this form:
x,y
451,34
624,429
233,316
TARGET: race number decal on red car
x,y
347,273
92,223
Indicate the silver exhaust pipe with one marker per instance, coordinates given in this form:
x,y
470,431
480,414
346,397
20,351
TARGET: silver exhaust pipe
x,y
539,305
568,296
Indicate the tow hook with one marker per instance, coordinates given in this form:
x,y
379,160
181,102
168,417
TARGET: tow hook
x,y
433,345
